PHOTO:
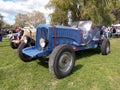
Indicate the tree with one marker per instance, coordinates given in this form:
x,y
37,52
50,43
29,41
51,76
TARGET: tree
x,y
20,20
99,11
1,24
35,18
116,12
59,17
60,14
1,20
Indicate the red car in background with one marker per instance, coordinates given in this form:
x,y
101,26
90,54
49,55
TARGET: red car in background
x,y
28,32
15,40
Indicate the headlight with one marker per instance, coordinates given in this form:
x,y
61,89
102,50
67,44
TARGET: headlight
x,y
25,39
43,42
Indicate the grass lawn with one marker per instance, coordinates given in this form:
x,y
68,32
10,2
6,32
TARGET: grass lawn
x,y
92,71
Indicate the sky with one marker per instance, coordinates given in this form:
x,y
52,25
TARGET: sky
x,y
10,8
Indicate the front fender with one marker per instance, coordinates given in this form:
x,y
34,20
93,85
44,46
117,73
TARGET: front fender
x,y
33,52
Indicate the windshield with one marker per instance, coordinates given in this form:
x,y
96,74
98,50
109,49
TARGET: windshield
x,y
74,24
83,25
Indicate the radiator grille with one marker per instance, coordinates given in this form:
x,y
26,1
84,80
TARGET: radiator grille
x,y
41,33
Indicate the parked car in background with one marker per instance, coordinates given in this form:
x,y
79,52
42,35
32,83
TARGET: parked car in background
x,y
116,30
26,32
9,36
61,43
14,40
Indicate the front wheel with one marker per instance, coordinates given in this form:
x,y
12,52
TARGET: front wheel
x,y
105,46
22,56
61,61
13,45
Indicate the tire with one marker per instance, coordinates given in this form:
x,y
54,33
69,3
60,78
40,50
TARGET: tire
x,y
105,47
22,56
61,61
13,46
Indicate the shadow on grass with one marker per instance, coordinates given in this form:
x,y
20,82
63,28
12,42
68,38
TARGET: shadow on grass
x,y
80,54
77,67
43,63
84,54
87,53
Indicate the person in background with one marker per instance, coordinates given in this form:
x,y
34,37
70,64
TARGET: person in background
x,y
107,32
0,35
17,30
104,31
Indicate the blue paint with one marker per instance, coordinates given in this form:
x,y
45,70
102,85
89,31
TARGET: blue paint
x,y
64,35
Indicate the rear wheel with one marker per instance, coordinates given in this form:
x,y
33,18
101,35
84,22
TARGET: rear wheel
x,y
105,46
22,56
61,61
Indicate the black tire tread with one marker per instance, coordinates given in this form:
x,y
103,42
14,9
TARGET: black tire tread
x,y
54,55
104,46
23,57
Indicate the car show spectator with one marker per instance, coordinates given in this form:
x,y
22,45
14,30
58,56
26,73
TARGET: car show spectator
x,y
105,31
17,30
0,35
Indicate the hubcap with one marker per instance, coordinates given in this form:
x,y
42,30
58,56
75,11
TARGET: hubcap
x,y
65,62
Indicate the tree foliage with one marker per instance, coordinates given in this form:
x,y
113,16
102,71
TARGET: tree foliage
x,y
1,20
1,23
35,18
99,11
20,19
60,14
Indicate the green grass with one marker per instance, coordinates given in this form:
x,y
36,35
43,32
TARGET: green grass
x,y
92,71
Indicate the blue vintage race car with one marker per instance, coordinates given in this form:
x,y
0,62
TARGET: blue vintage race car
x,y
61,42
